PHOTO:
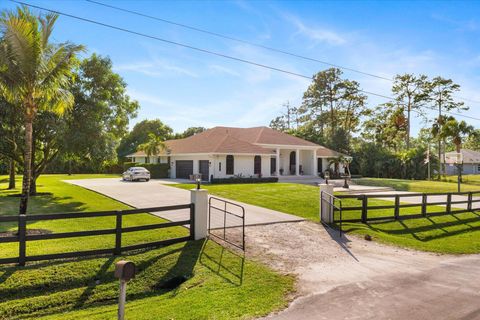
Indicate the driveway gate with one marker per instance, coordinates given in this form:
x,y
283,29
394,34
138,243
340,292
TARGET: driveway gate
x,y
329,206
227,217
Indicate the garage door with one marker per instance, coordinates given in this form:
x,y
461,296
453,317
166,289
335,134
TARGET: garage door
x,y
183,168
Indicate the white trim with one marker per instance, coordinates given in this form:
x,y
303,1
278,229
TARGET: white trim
x,y
289,146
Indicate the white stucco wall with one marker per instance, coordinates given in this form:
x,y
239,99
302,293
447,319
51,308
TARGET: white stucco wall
x,y
195,158
468,168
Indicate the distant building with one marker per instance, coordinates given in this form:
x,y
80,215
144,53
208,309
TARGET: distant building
x,y
471,162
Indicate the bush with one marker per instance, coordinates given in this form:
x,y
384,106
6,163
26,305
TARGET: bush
x,y
128,165
157,170
243,180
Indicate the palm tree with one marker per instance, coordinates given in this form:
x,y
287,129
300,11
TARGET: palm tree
x,y
34,73
153,146
456,132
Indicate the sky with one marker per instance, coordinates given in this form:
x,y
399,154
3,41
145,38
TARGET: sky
x,y
186,88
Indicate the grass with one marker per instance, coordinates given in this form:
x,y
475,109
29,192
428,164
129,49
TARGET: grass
x,y
219,284
471,183
456,234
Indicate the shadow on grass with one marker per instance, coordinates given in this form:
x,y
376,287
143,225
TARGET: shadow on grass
x,y
426,230
232,272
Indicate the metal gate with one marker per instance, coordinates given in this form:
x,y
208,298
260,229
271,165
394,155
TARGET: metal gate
x,y
329,207
226,221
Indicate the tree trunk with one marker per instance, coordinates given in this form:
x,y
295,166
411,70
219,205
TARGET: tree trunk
x,y
27,172
11,180
33,179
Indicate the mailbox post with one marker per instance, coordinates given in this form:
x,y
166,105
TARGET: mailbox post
x,y
125,271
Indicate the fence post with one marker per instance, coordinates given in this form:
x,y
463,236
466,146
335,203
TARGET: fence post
x,y
397,206
192,221
118,234
22,242
199,198
364,208
469,204
424,204
326,211
449,203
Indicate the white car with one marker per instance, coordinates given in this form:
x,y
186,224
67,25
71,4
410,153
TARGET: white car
x,y
136,174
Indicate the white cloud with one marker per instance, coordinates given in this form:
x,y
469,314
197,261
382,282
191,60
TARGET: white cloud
x,y
317,34
156,68
219,69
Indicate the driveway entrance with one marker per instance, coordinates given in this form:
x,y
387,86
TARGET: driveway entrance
x,y
154,193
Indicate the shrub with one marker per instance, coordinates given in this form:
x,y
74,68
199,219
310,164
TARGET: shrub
x,y
157,170
244,180
128,165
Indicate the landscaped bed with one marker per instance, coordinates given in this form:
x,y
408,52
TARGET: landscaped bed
x,y
459,233
195,279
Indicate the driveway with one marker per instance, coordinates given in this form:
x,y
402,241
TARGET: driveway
x,y
157,193
350,278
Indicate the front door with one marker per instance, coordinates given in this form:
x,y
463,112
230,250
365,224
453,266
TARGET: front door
x,y
319,165
273,165
293,162
203,169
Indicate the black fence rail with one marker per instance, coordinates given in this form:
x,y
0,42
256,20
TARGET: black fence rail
x,y
223,208
22,237
470,198
329,207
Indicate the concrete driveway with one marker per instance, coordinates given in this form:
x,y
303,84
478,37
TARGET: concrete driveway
x,y
157,193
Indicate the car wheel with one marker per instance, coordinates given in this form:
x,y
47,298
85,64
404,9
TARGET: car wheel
x,y
147,180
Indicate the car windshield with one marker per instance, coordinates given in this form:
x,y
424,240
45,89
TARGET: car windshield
x,y
139,169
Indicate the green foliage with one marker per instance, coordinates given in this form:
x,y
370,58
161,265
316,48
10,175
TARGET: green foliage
x,y
189,132
153,146
140,134
157,170
128,165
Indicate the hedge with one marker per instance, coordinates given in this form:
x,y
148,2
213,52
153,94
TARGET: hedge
x,y
244,180
157,170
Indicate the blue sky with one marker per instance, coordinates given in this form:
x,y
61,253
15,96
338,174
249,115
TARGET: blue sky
x,y
185,88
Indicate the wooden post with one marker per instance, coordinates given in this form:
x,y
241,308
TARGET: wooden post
x,y
469,204
22,242
397,207
364,208
449,203
424,204
121,299
118,234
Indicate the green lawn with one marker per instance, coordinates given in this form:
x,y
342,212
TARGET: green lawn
x,y
219,284
471,183
459,233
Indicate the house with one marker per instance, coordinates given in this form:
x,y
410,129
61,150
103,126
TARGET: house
x,y
223,152
471,162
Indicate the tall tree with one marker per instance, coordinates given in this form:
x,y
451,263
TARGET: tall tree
x,y
412,92
139,135
35,74
153,146
10,130
441,93
189,132
473,141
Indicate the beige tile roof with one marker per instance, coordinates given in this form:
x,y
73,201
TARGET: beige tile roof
x,y
325,152
237,140
469,156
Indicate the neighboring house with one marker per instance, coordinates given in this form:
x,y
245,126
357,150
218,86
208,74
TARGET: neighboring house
x,y
223,152
471,162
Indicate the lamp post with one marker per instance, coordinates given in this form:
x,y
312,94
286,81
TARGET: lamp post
x,y
199,181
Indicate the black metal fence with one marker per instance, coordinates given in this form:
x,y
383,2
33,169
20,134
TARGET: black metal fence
x,y
449,203
22,237
220,222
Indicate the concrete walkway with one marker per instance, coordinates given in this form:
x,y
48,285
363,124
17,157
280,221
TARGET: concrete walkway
x,y
157,193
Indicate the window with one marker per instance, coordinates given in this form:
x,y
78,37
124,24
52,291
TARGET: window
x,y
147,159
478,169
230,161
257,165
220,167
